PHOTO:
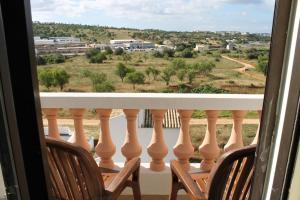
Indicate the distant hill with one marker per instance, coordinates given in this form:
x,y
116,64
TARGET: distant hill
x,y
102,34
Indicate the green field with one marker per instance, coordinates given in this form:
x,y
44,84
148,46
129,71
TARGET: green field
x,y
225,75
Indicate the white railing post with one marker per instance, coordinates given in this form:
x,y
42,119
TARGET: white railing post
x,y
184,148
236,138
131,147
105,148
209,149
157,148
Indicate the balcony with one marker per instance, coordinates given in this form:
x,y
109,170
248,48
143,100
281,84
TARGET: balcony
x,y
125,136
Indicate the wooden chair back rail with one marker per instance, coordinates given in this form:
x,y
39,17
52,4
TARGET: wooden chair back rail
x,y
75,175
231,177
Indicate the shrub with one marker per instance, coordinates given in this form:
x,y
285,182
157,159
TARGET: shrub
x,y
41,60
91,53
98,58
157,54
262,65
168,52
208,89
54,58
108,51
105,86
119,51
187,53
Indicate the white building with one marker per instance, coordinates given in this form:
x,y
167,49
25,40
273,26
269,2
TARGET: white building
x,y
131,44
230,46
56,40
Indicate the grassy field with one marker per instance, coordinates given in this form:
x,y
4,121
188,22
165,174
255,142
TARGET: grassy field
x,y
225,75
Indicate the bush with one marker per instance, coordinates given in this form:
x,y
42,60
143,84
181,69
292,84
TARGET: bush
x,y
91,53
54,58
41,60
168,52
108,51
121,71
119,51
262,65
187,53
208,89
252,53
157,54
105,86
98,58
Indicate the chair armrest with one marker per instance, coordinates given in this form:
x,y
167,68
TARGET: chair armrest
x,y
122,177
187,181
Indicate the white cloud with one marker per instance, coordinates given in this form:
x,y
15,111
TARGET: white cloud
x,y
131,8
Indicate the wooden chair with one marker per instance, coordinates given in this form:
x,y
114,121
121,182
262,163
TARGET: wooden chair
x,y
75,175
230,178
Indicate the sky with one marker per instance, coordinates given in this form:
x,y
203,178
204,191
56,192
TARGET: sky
x,y
172,15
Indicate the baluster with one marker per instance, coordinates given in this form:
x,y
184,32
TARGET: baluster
x,y
79,136
131,147
105,148
51,115
184,148
236,138
209,149
255,140
157,148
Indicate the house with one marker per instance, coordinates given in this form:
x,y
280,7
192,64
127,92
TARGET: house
x,y
230,46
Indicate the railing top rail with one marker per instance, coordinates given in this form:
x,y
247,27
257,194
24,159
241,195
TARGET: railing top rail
x,y
152,101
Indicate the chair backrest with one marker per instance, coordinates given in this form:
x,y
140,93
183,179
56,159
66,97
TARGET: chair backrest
x,y
74,173
232,175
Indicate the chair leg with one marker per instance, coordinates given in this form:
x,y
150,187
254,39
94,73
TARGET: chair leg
x,y
136,185
175,187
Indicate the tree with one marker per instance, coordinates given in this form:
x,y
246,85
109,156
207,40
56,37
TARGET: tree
x,y
119,51
167,74
54,58
203,68
135,78
126,57
262,65
98,58
98,78
121,71
168,52
108,50
105,86
191,74
178,64
187,53
181,74
148,72
46,78
61,78
155,73
91,53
